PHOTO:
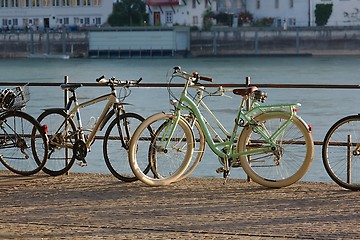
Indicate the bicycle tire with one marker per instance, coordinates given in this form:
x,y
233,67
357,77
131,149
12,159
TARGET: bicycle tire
x,y
55,120
340,160
295,149
167,164
116,145
23,143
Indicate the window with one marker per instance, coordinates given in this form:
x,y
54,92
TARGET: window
x,y
56,3
4,22
86,3
98,21
15,3
4,3
291,3
195,20
169,17
66,21
66,3
46,3
193,3
276,3
97,3
257,4
292,21
15,22
87,20
35,3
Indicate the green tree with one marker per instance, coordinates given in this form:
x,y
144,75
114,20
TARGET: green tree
x,y
128,13
322,13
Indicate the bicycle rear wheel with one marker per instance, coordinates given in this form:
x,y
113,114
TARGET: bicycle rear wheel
x,y
60,156
284,165
168,150
23,143
340,155
116,145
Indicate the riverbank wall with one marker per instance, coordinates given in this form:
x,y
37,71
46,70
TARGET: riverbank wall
x,y
220,41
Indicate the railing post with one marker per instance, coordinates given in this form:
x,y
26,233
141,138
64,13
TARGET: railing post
x,y
66,99
348,167
247,83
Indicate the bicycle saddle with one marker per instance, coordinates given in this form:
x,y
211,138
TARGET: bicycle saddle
x,y
70,86
245,90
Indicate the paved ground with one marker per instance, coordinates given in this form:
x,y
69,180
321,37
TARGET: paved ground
x,y
94,206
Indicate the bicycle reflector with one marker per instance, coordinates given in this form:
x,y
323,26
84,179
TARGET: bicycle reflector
x,y
45,128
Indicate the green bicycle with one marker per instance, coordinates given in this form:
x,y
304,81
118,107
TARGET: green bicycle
x,y
275,147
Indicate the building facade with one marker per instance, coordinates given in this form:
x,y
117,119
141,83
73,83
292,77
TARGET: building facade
x,y
178,12
53,14
291,13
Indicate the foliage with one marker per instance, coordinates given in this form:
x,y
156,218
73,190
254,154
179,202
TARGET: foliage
x,y
264,22
245,17
322,13
224,19
207,18
128,13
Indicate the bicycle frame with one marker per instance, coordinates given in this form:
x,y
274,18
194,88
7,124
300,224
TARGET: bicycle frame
x,y
247,118
113,102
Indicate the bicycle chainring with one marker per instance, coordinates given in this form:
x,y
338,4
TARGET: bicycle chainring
x,y
80,150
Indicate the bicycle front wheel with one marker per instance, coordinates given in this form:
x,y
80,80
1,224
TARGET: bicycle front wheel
x,y
116,145
341,153
23,143
199,146
62,136
291,158
168,149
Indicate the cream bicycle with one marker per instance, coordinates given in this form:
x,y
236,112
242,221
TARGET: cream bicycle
x,y
69,140
275,147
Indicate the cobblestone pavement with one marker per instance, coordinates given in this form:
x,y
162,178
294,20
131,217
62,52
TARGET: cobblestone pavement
x,y
96,206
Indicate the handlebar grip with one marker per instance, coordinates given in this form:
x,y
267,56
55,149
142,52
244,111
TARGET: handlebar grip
x,y
101,79
208,79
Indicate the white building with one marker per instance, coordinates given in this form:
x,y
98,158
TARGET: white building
x,y
344,12
290,12
178,12
302,12
53,14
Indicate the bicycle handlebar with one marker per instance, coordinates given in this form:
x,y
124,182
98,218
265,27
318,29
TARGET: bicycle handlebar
x,y
113,81
194,75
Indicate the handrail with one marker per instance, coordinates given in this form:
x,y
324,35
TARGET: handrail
x,y
275,85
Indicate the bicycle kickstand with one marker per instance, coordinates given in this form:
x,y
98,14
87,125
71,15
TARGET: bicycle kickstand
x,y
227,169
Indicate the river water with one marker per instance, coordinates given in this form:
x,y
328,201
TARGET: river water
x,y
320,107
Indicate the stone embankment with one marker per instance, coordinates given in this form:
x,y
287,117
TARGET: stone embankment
x,y
220,41
96,206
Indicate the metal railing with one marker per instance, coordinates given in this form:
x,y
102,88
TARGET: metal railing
x,y
214,85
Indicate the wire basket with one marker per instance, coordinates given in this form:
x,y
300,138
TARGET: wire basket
x,y
14,99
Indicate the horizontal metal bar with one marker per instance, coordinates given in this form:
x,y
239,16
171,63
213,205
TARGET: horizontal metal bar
x,y
230,85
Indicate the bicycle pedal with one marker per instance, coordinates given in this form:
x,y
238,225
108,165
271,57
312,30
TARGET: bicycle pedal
x,y
82,163
220,170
